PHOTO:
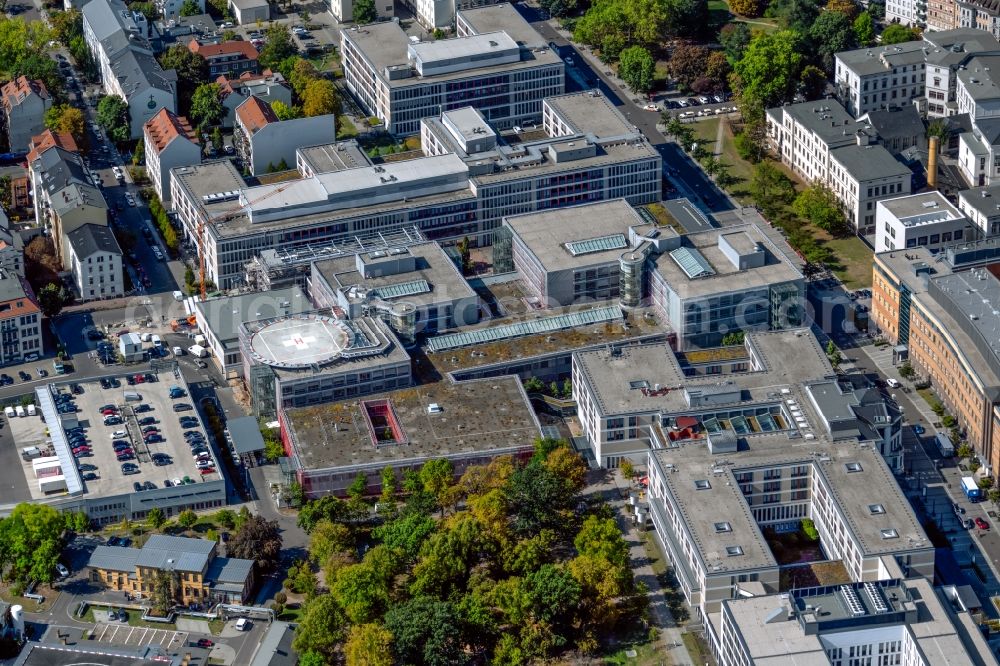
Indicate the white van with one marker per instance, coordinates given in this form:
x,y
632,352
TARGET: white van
x,y
242,624
31,409
157,342
9,412
20,410
132,396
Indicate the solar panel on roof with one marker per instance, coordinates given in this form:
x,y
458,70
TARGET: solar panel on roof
x,y
692,262
600,244
401,289
533,327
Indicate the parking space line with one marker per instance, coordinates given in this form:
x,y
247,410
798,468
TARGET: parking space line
x,y
144,633
129,637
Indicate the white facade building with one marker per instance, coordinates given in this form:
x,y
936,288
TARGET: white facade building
x,y
96,261
919,220
170,142
498,64
24,103
343,10
982,206
248,12
20,320
263,142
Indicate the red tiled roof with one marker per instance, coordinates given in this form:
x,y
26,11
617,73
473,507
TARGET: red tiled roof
x,y
48,139
164,127
14,91
20,305
233,47
254,114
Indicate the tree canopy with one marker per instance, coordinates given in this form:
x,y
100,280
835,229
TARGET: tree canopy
x,y
365,12
256,539
192,70
31,542
896,33
515,574
66,118
113,116
768,72
278,46
636,67
206,105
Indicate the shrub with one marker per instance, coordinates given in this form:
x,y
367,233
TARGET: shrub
x,y
809,528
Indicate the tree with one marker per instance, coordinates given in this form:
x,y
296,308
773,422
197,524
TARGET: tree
x,y
795,15
206,105
320,98
285,112
426,631
327,507
31,542
813,81
636,68
768,72
833,353
139,154
156,518
301,579
278,46
770,188
539,498
985,483
717,71
846,7
994,495
733,338
818,204
40,264
65,118
321,627
327,539
51,299
187,519
681,133
628,469
365,12
734,38
368,645
896,34
748,8
437,476
164,591
965,451
113,116
688,63
226,518
683,18
311,658
190,8
191,68
406,534
864,29
611,25
602,537
831,33
256,539
217,140
465,255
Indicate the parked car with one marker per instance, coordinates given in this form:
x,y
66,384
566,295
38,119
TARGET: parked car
x,y
62,570
130,468
981,524
182,407
89,476
206,470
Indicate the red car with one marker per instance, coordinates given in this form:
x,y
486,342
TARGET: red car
x,y
207,470
109,412
205,643
139,379
982,524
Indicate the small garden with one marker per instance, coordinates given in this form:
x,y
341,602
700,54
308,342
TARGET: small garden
x,y
798,547
386,146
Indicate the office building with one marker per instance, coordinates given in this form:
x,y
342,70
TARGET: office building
x,y
313,358
497,63
118,40
468,423
925,220
202,577
415,290
25,102
941,313
170,142
893,620
587,152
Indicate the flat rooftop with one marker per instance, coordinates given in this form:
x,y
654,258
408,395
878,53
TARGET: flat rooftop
x,y
591,113
334,156
94,653
976,294
386,45
210,178
432,265
615,378
778,267
919,209
557,236
505,17
478,416
224,315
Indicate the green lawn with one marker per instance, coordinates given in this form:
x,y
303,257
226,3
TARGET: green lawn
x,y
697,648
855,260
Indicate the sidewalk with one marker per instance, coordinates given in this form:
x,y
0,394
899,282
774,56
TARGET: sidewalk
x,y
881,358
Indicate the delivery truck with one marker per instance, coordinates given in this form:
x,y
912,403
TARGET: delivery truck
x,y
944,445
197,351
971,489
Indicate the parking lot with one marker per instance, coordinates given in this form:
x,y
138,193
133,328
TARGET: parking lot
x,y
103,446
126,635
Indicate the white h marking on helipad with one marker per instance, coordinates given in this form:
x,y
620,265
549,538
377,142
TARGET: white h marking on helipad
x,y
299,342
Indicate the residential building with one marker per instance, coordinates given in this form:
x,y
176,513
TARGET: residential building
x,y
96,261
895,620
267,87
467,422
497,63
925,220
219,320
20,320
25,102
943,15
982,206
414,290
851,407
167,32
906,12
171,9
248,12
587,151
312,358
922,71
343,10
20,194
170,142
896,129
822,143
118,40
229,59
266,144
201,576
940,312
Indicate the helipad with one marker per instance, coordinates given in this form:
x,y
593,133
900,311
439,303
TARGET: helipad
x,y
300,341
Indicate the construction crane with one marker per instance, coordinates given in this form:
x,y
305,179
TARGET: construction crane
x,y
223,216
